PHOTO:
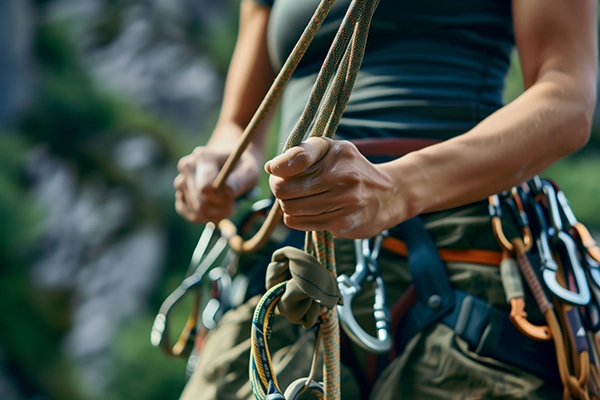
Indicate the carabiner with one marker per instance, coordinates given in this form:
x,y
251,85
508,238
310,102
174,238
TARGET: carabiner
x,y
513,287
367,270
589,249
587,241
199,264
495,210
219,302
301,386
511,279
566,247
553,208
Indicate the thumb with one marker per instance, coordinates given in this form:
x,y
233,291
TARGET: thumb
x,y
299,158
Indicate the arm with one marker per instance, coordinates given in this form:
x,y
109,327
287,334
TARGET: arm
x,y
248,79
552,118
557,44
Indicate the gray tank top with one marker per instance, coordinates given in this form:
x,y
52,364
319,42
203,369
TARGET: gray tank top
x,y
432,68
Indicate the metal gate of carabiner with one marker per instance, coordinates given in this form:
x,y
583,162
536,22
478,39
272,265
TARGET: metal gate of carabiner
x,y
566,248
367,270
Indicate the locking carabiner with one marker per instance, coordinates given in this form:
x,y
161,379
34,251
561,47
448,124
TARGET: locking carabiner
x,y
367,270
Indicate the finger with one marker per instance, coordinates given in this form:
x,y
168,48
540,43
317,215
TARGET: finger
x,y
307,207
178,182
186,163
298,188
181,206
213,212
334,221
191,192
239,182
299,158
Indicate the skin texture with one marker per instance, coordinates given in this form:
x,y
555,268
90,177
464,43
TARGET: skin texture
x,y
327,185
248,80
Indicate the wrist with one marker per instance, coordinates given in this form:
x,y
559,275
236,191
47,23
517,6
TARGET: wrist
x,y
406,200
225,136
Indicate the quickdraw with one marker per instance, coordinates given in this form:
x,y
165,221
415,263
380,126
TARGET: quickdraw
x,y
567,267
513,250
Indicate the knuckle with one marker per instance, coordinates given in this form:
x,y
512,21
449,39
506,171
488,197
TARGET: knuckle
x,y
184,164
277,186
198,150
349,177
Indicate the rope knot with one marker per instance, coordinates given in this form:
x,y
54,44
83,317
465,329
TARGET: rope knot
x,y
310,285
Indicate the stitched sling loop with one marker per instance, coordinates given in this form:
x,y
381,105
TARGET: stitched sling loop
x,y
328,99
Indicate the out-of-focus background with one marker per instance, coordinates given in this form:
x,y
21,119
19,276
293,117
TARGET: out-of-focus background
x,y
98,100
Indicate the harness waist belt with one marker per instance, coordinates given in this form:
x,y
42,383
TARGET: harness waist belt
x,y
487,330
489,333
391,147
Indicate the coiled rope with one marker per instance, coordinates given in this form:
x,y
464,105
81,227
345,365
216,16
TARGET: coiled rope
x,y
327,102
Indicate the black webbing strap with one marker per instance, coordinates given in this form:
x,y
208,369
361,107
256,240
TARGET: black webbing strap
x,y
488,330
435,297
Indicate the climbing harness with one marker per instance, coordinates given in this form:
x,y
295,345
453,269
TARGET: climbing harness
x,y
552,257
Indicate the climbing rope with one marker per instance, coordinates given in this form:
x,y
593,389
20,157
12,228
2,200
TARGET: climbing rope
x,y
327,102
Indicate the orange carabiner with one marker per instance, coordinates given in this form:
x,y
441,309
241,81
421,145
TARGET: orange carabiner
x,y
509,271
496,214
588,241
518,316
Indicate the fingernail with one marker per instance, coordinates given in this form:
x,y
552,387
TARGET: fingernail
x,y
268,169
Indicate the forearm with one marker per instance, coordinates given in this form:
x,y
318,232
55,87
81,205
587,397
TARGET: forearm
x,y
550,120
248,79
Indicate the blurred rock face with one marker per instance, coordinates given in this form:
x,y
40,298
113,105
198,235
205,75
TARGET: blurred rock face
x,y
95,243
150,52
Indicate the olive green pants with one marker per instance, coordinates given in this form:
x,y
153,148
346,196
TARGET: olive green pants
x,y
436,363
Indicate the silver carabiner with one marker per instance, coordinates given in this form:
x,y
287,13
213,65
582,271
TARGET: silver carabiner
x,y
583,296
564,242
367,270
216,306
553,208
